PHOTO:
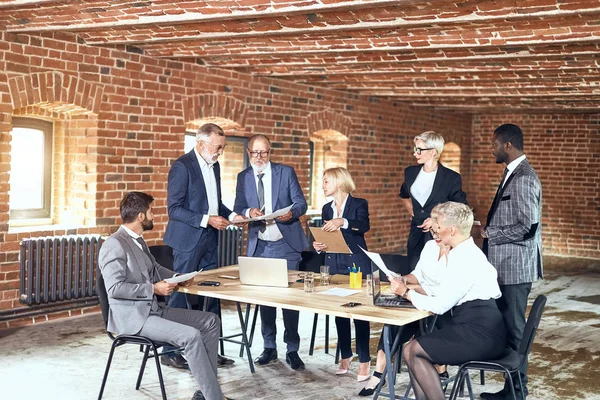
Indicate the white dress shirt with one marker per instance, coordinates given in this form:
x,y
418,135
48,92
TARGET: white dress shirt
x,y
467,276
272,232
422,186
212,194
134,236
335,213
512,166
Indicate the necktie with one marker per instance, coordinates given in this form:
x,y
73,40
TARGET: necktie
x,y
141,241
261,197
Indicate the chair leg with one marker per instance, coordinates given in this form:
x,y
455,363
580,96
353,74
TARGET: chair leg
x,y
327,334
159,371
512,387
221,341
399,359
108,362
312,338
469,387
143,367
457,383
482,377
337,353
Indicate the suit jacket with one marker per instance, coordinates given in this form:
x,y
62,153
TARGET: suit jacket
x,y
187,202
447,186
129,275
515,228
285,190
356,212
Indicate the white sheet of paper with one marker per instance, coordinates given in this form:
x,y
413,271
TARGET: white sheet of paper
x,y
182,278
376,258
340,292
273,215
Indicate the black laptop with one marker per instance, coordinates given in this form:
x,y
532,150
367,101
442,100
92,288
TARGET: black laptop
x,y
389,300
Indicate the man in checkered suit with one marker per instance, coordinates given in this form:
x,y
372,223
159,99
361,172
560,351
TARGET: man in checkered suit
x,y
513,238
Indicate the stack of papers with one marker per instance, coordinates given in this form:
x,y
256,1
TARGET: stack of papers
x,y
182,278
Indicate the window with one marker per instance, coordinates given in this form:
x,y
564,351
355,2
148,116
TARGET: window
x,y
311,171
30,169
233,161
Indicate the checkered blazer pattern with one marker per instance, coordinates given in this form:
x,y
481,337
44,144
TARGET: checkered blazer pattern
x,y
515,228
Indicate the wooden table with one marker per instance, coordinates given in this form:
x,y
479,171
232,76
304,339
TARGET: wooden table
x,y
294,298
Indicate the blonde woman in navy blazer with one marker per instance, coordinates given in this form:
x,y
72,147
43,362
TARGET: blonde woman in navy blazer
x,y
425,186
351,216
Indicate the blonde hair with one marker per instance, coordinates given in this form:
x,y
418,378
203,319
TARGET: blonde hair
x,y
433,140
341,178
454,214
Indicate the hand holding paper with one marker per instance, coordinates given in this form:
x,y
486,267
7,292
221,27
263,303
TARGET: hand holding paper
x,y
376,258
273,215
183,277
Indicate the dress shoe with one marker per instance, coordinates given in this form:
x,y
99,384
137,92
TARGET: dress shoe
x,y
370,387
344,371
294,360
223,361
444,375
198,395
175,361
267,356
501,395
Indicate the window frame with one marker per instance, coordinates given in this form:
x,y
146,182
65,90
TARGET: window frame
x,y
311,161
47,127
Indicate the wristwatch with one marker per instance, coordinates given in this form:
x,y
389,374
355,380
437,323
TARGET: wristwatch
x,y
405,295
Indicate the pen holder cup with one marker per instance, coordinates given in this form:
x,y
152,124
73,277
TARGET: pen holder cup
x,y
355,280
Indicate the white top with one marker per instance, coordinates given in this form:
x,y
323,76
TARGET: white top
x,y
511,167
210,183
134,236
272,232
467,276
335,213
422,186
430,269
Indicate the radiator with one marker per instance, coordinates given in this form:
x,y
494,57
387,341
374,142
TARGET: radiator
x,y
58,268
230,245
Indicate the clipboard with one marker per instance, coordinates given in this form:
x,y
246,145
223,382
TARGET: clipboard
x,y
333,240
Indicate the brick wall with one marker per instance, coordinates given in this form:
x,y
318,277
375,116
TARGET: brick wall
x,y
564,149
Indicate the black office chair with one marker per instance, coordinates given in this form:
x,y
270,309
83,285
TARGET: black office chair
x,y
145,343
512,361
163,255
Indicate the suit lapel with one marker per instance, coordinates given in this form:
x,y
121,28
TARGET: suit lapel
x,y
217,171
347,207
250,185
143,262
437,182
275,180
196,168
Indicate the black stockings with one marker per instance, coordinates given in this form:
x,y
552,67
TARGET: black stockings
x,y
424,377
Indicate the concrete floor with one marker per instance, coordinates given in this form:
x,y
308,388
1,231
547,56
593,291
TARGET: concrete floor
x,y
65,359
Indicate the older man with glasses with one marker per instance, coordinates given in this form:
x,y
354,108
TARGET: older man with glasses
x,y
196,214
263,188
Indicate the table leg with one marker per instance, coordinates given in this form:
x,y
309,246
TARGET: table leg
x,y
245,343
247,319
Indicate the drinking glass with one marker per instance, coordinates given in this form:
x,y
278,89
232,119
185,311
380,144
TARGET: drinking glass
x,y
309,283
369,285
324,275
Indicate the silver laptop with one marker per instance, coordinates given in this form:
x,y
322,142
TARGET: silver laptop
x,y
258,271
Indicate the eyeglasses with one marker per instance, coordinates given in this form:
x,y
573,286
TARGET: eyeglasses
x,y
218,148
261,154
418,150
434,234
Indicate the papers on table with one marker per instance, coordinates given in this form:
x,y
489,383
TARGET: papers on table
x,y
273,215
182,278
376,258
340,292
333,240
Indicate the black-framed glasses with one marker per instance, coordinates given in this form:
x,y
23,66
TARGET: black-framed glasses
x,y
418,150
261,154
434,234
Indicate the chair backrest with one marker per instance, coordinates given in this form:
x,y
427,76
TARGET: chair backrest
x,y
311,261
533,322
102,296
396,263
163,255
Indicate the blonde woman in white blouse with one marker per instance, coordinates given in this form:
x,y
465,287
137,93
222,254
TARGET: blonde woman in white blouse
x,y
470,326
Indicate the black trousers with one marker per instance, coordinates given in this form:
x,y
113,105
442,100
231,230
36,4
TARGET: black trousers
x,y
513,305
363,333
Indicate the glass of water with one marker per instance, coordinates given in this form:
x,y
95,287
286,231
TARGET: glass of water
x,y
369,285
324,275
309,282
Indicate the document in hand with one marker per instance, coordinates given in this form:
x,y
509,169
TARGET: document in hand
x,y
333,240
376,258
182,278
273,215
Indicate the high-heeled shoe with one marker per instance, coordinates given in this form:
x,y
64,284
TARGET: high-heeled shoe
x,y
343,371
362,378
370,387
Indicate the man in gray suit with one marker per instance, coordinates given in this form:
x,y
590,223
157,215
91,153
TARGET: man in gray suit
x,y
133,279
513,239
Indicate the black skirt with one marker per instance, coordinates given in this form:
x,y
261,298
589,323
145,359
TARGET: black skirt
x,y
473,331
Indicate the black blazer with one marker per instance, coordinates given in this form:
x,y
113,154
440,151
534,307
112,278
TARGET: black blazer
x,y
356,212
447,186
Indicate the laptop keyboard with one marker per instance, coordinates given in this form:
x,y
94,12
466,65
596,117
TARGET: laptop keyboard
x,y
390,303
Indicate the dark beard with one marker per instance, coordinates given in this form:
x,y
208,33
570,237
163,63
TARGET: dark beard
x,y
147,225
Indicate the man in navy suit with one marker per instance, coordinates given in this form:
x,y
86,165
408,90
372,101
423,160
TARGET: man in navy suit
x,y
196,213
263,188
